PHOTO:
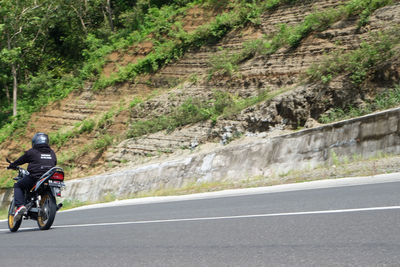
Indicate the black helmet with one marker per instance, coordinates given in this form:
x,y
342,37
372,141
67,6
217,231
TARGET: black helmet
x,y
40,138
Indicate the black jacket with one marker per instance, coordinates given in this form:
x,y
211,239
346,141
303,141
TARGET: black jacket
x,y
41,158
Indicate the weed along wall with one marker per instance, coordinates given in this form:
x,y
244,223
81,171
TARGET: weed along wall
x,y
365,136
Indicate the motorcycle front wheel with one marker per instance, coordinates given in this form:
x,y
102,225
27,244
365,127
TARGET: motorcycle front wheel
x,y
47,211
12,224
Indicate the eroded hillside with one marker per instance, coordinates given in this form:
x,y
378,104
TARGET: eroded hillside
x,y
199,98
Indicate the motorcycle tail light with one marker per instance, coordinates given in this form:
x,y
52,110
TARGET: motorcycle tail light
x,y
58,176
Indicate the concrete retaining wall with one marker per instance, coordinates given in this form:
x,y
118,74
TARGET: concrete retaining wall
x,y
363,136
5,197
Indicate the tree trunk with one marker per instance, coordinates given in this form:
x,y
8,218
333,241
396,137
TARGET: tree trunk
x,y
7,93
14,74
81,19
15,88
109,12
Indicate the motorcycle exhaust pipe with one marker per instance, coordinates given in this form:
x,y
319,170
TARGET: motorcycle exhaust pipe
x,y
59,206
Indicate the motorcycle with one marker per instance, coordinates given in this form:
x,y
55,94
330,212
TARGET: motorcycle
x,y
40,201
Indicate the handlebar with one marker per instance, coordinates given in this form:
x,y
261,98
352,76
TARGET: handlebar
x,y
21,171
9,162
17,168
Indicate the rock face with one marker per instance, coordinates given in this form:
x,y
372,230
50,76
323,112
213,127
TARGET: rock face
x,y
187,78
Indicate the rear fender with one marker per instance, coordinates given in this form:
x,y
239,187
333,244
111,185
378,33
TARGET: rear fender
x,y
55,191
46,177
39,183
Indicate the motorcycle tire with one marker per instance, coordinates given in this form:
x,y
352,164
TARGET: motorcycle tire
x,y
47,213
12,224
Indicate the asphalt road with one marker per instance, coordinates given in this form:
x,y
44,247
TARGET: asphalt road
x,y
339,226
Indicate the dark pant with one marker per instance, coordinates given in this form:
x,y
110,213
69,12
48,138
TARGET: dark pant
x,y
22,185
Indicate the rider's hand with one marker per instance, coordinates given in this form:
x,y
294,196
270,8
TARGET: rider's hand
x,y
11,167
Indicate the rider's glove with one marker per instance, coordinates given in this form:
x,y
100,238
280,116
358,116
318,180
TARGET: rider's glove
x,y
12,166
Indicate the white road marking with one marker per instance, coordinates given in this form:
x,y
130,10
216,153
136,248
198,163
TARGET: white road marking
x,y
224,217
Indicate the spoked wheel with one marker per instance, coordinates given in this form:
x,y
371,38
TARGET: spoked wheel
x,y
47,211
12,224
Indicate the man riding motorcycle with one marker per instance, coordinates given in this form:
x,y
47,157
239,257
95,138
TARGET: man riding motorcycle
x,y
40,159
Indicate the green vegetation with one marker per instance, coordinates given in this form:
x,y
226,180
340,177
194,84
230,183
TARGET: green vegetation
x,y
70,204
55,45
228,62
359,63
99,144
384,100
6,180
191,111
3,213
72,52
101,124
50,48
60,59
239,104
222,105
179,41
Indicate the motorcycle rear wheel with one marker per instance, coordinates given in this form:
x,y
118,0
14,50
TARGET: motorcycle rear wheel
x,y
47,213
12,224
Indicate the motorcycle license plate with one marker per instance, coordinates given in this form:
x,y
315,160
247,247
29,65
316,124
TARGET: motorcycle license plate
x,y
56,183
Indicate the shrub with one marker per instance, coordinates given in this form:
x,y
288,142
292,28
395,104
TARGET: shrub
x,y
360,62
222,64
59,139
87,126
103,142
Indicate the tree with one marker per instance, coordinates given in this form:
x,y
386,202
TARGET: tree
x,y
45,38
23,22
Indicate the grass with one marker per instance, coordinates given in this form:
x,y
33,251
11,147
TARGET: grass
x,y
339,167
389,98
240,104
3,214
6,180
70,204
191,188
